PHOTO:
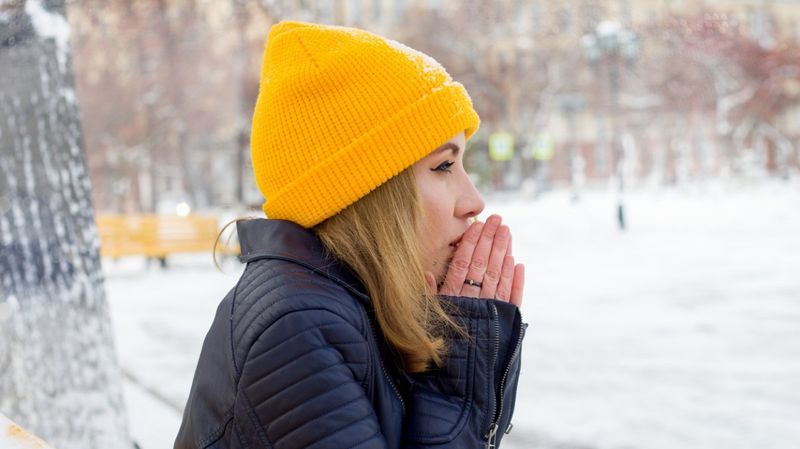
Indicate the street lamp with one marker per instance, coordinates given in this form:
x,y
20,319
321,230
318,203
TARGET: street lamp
x,y
612,45
571,104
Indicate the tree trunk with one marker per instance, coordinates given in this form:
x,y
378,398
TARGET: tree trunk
x,y
60,377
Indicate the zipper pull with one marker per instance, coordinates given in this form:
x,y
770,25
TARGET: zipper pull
x,y
491,436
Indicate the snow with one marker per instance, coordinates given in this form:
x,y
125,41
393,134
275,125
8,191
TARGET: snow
x,y
50,25
7,308
683,332
427,64
68,94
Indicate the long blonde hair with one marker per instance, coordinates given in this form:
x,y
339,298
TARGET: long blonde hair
x,y
378,237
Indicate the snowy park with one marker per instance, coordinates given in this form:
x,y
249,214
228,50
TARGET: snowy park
x,y
682,332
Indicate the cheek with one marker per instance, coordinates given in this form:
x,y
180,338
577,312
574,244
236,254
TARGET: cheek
x,y
436,212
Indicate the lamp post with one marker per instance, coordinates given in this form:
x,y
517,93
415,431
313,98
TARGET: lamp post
x,y
571,104
611,45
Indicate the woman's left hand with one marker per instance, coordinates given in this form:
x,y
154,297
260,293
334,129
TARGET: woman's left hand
x,y
483,267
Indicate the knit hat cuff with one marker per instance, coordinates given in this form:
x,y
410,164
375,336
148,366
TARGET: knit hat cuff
x,y
352,172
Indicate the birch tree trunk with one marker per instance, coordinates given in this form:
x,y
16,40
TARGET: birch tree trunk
x,y
59,376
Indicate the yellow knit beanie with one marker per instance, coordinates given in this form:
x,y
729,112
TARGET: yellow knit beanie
x,y
340,111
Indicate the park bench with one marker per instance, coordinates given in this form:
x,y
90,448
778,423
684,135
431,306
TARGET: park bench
x,y
158,236
13,436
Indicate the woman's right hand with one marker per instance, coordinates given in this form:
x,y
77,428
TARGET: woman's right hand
x,y
483,267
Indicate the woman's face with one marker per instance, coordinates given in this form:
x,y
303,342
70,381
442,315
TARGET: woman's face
x,y
449,201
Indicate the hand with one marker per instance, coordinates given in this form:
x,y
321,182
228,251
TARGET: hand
x,y
484,257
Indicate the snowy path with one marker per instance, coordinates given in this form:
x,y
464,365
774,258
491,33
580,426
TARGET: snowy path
x,y
682,333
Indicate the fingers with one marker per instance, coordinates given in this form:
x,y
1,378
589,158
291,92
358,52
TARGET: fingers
x,y
491,277
480,257
459,266
430,279
518,285
484,255
503,292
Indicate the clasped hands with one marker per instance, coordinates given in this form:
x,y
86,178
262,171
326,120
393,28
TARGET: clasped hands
x,y
483,266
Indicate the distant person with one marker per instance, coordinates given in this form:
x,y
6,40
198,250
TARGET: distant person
x,y
375,311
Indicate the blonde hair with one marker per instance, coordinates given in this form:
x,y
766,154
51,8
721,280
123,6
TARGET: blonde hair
x,y
378,236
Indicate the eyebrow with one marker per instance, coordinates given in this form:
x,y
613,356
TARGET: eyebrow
x,y
448,146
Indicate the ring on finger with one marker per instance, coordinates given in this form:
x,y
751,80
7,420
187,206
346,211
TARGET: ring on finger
x,y
473,283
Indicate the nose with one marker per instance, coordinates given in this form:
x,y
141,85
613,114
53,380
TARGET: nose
x,y
470,202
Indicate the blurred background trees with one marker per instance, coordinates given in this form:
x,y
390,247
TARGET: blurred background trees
x,y
703,90
580,93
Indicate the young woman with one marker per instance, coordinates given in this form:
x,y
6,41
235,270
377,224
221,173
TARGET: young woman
x,y
375,311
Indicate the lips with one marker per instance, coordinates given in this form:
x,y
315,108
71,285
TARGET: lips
x,y
456,242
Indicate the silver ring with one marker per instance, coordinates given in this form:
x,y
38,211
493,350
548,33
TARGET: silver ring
x,y
473,283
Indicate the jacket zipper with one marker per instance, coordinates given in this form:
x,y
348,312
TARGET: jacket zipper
x,y
386,373
491,434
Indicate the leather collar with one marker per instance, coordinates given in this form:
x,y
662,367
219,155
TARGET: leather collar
x,y
261,238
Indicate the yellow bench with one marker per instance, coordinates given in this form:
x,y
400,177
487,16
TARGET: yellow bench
x,y
14,436
158,236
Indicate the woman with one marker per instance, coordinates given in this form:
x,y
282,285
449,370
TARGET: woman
x,y
356,322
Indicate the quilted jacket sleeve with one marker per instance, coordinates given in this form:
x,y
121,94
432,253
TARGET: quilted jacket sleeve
x,y
302,385
469,401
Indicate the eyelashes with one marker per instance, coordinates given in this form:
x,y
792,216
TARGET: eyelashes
x,y
443,167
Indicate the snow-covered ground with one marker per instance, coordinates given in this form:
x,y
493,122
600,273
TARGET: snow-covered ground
x,y
681,333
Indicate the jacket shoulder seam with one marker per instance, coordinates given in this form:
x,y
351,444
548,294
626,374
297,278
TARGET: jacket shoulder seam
x,y
262,434
217,434
349,322
324,302
260,431
250,355
236,372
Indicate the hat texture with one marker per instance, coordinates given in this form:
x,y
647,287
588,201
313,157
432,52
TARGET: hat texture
x,y
340,111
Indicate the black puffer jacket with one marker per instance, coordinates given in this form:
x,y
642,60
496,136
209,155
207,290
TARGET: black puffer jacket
x,y
294,359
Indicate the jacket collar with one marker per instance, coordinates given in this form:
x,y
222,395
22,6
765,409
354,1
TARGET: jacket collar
x,y
261,238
